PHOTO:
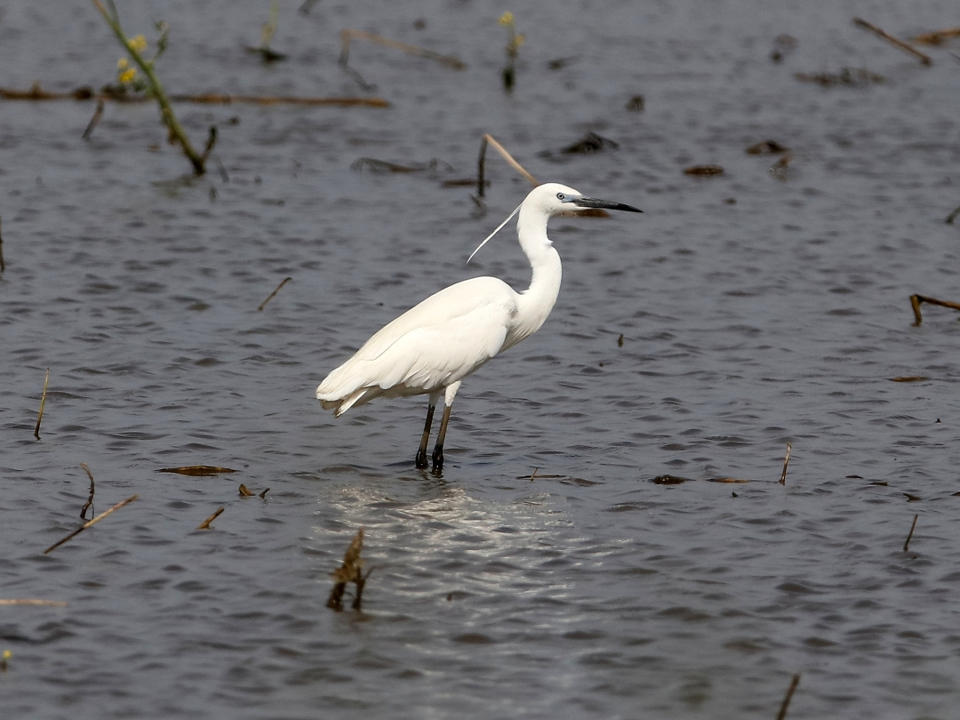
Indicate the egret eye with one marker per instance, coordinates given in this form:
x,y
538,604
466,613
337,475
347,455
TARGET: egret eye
x,y
561,197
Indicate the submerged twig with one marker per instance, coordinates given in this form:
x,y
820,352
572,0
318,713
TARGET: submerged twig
x,y
348,35
786,461
925,59
90,523
906,545
205,525
43,402
270,296
350,571
89,502
93,121
489,139
915,301
786,699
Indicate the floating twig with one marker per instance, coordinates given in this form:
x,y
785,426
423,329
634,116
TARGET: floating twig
x,y
953,215
90,523
245,491
89,502
93,121
350,571
906,545
4,267
270,296
197,470
36,93
348,35
767,147
789,696
910,378
43,402
915,301
937,37
925,59
847,76
489,139
205,525
786,461
533,474
34,601
704,170
264,493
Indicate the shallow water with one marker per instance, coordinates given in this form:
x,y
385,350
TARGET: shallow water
x,y
754,311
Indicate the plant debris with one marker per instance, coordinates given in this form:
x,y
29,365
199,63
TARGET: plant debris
x,y
351,571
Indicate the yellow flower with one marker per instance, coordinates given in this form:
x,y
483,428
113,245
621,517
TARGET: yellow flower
x,y
122,64
137,44
518,39
7,654
506,18
128,75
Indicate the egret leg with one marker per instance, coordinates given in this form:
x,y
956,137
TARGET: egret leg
x,y
438,450
422,452
449,394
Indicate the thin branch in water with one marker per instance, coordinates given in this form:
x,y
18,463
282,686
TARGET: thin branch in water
x,y
205,525
488,139
350,571
348,35
786,461
245,491
33,601
43,402
270,296
906,545
915,301
197,470
953,215
89,502
263,495
90,523
925,59
93,121
788,697
2,264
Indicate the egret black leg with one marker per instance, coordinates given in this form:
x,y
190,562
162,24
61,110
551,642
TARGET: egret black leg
x,y
438,450
422,452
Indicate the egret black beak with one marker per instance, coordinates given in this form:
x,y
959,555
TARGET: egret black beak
x,y
594,204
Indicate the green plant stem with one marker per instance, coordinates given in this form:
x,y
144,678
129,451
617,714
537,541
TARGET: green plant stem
x,y
166,110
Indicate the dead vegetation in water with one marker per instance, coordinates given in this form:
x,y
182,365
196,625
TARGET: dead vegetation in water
x,y
90,523
785,705
43,403
270,296
906,47
88,505
351,571
198,470
937,37
205,525
851,77
704,170
349,35
915,301
906,545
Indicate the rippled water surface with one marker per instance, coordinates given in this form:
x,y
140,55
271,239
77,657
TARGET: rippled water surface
x,y
754,310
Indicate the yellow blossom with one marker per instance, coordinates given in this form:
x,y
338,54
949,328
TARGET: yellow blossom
x,y
518,39
137,44
506,18
7,654
122,64
128,75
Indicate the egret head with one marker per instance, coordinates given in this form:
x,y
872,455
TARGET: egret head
x,y
556,199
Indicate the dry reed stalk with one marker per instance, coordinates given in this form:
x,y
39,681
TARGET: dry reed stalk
x,y
350,571
97,114
490,140
915,301
348,35
89,502
789,696
205,525
937,37
34,601
925,59
786,461
270,296
91,523
906,545
43,402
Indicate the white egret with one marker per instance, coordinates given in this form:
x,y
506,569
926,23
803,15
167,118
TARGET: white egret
x,y
432,347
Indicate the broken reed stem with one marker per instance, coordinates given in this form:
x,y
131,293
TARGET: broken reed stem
x,y
90,523
84,94
89,502
205,525
953,215
166,111
270,296
350,571
93,121
489,139
915,301
346,36
789,696
2,266
906,545
43,402
786,461
34,601
925,59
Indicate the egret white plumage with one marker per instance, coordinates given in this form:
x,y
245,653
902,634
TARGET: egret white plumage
x,y
433,346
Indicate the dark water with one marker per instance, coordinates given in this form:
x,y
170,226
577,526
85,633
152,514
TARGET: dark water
x,y
755,311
